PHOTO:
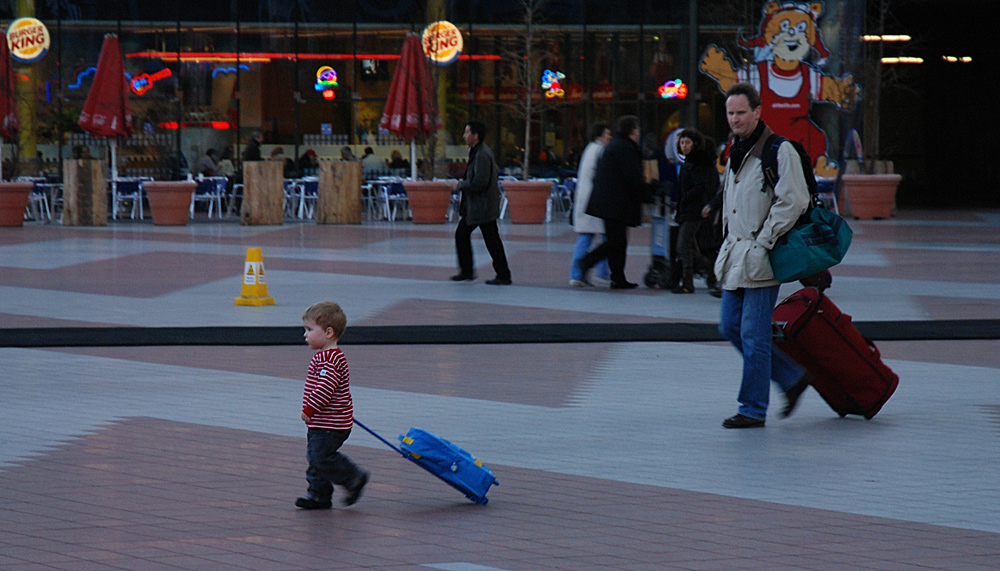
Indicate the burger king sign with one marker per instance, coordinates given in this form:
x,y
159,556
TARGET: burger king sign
x,y
442,42
28,40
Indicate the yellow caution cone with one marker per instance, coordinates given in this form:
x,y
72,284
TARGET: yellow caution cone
x,y
254,284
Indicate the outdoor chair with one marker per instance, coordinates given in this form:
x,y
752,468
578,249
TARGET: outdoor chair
x,y
127,190
210,189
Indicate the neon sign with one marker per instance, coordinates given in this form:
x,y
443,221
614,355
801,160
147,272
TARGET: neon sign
x,y
219,70
326,80
674,89
143,83
550,82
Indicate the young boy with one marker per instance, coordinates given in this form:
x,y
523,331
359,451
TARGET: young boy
x,y
328,411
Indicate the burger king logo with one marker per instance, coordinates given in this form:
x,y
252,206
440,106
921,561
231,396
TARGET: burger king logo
x,y
28,40
442,42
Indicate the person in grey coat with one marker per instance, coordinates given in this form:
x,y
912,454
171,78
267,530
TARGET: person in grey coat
x,y
479,207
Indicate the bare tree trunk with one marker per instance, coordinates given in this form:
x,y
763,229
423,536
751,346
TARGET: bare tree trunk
x,y
529,38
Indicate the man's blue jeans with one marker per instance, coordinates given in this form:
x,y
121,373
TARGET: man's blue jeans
x,y
583,243
745,322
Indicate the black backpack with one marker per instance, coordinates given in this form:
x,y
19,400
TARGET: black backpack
x,y
769,162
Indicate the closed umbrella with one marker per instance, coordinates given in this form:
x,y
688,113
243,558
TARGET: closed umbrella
x,y
8,102
409,110
106,112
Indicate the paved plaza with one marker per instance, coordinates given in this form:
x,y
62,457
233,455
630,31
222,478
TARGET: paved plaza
x,y
610,455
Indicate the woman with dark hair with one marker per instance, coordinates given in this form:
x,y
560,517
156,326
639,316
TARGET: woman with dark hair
x,y
698,182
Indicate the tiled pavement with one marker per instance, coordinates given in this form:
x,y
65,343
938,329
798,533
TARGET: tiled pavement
x,y
610,455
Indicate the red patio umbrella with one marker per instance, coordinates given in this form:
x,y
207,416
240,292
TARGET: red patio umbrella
x,y
8,102
106,112
409,110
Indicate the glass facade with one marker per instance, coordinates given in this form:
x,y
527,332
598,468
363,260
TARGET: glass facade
x,y
209,84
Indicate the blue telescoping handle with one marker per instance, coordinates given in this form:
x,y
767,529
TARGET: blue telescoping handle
x,y
376,435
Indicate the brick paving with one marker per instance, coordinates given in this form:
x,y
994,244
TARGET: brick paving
x,y
610,455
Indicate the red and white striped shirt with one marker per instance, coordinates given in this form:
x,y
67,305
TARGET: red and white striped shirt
x,y
327,398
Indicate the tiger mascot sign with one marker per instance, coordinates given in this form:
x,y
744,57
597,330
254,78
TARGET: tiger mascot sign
x,y
787,82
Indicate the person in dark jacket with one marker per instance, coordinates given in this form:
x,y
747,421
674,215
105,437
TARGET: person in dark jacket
x,y
252,151
698,183
617,198
480,206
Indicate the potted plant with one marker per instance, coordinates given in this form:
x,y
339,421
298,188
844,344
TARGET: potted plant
x,y
13,201
170,201
527,200
429,199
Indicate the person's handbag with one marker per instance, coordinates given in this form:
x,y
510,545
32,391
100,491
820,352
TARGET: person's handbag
x,y
817,242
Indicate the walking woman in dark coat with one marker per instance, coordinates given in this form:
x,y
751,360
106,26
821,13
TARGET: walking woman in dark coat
x,y
617,198
698,182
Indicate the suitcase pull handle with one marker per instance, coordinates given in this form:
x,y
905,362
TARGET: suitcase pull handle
x,y
384,441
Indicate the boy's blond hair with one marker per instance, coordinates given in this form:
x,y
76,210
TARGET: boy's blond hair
x,y
327,314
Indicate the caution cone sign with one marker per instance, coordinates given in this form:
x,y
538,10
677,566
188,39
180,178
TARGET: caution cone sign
x,y
254,284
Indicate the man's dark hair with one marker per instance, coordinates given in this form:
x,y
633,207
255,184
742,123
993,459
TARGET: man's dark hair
x,y
369,151
597,129
626,124
477,128
747,90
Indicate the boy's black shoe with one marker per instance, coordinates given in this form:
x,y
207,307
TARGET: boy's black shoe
x,y
463,277
354,493
743,421
311,504
499,281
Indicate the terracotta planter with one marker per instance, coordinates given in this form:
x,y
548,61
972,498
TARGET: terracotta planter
x,y
527,200
871,196
170,201
13,201
429,200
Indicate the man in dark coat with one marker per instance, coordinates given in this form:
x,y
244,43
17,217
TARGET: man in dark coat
x,y
480,206
617,198
252,151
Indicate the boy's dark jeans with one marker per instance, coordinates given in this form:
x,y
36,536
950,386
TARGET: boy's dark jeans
x,y
327,466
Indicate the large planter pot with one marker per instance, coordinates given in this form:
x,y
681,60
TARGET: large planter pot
x,y
871,196
527,200
170,201
429,200
13,201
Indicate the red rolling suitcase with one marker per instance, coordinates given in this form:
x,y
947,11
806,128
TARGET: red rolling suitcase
x,y
847,368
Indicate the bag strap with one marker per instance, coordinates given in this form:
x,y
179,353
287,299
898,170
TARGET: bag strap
x,y
769,159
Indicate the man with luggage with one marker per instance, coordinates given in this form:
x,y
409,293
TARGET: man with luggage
x,y
754,216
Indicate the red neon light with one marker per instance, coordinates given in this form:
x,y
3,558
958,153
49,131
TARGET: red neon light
x,y
172,56
329,94
142,83
172,125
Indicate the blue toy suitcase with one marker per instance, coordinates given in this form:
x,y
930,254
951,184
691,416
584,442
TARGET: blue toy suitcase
x,y
450,463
